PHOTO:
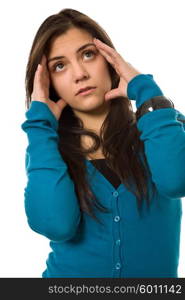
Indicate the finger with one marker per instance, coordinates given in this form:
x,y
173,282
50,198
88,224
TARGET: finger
x,y
43,67
112,52
43,62
39,75
107,56
38,71
43,59
115,59
35,79
112,61
39,67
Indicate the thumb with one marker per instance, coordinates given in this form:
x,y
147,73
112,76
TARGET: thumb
x,y
112,94
61,103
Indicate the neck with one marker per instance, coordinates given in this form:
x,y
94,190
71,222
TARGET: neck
x,y
93,120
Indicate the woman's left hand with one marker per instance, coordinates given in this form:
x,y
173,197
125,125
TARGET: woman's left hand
x,y
124,69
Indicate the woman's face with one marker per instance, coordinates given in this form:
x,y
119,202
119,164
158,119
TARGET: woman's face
x,y
78,69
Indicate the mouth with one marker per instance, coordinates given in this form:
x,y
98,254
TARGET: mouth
x,y
88,91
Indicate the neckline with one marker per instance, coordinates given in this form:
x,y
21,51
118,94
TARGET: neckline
x,y
104,179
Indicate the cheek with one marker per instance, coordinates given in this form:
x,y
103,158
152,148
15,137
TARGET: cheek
x,y
106,78
104,70
61,85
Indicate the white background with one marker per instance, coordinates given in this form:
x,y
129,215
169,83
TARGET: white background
x,y
148,34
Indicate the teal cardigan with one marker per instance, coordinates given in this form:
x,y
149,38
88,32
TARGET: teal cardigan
x,y
125,244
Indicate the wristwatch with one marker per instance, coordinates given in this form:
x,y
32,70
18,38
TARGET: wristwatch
x,y
153,104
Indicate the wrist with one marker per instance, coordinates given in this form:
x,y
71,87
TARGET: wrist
x,y
153,104
142,87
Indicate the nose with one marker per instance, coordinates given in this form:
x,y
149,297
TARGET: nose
x,y
79,72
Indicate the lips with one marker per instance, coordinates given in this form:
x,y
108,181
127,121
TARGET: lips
x,y
85,89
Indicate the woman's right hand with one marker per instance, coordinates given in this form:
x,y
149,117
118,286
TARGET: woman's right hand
x,y
41,86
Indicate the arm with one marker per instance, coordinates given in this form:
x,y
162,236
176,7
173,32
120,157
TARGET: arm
x,y
51,204
163,136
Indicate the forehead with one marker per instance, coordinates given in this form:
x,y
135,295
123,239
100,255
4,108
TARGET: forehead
x,y
69,41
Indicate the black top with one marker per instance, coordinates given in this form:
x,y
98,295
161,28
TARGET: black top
x,y
111,176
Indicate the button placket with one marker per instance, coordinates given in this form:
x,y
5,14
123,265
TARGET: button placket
x,y
116,235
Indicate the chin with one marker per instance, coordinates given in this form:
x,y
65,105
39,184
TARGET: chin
x,y
88,104
93,104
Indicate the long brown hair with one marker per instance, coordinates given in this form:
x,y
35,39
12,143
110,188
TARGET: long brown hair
x,y
119,136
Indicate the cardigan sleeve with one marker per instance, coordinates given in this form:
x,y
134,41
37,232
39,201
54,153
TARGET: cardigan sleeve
x,y
163,135
51,204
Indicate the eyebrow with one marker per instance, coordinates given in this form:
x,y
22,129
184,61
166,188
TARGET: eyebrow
x,y
78,50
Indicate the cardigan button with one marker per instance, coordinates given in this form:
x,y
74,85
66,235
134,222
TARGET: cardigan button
x,y
115,194
118,266
117,218
118,242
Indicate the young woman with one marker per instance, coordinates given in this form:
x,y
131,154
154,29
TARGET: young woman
x,y
104,183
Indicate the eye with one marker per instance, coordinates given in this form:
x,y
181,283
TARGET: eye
x,y
91,52
56,65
